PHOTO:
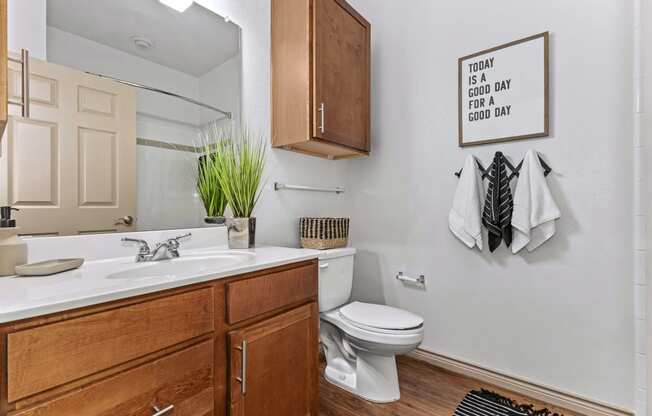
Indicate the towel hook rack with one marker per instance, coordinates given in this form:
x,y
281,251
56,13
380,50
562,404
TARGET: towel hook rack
x,y
515,170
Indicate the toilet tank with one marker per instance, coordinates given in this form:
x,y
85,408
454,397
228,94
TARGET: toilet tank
x,y
335,278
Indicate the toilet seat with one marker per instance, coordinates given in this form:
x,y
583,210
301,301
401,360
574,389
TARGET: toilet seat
x,y
381,336
417,330
381,318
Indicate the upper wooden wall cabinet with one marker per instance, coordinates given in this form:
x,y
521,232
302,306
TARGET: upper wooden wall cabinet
x,y
320,78
3,67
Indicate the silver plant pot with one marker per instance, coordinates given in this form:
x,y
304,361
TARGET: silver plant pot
x,y
242,232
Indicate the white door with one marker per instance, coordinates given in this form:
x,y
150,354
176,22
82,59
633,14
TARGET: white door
x,y
71,167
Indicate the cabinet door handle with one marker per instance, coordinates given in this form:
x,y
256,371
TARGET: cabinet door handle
x,y
243,371
323,266
322,110
24,82
164,411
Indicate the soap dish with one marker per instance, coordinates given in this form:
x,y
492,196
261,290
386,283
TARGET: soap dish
x,y
46,268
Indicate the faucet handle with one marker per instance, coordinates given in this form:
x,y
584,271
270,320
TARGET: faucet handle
x,y
144,246
176,240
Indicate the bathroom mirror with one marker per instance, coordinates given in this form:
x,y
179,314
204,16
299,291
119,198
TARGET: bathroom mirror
x,y
113,140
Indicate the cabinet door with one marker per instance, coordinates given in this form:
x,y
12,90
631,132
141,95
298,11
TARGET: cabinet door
x,y
3,66
341,75
273,366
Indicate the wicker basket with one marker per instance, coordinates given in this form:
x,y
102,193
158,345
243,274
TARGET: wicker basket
x,y
324,233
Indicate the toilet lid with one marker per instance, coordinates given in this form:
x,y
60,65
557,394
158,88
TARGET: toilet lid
x,y
380,316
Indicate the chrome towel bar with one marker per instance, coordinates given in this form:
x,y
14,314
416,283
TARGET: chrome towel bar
x,y
279,186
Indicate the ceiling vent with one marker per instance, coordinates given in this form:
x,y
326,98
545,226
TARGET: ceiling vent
x,y
141,42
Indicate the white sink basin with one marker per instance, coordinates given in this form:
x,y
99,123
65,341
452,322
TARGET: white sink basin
x,y
185,266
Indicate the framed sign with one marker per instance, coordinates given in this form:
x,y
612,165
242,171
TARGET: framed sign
x,y
503,92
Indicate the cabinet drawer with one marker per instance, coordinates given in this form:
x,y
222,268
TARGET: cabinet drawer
x,y
183,379
250,297
44,357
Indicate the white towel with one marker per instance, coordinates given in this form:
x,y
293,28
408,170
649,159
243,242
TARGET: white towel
x,y
465,218
535,211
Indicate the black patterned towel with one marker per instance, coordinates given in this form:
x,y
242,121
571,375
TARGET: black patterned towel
x,y
499,204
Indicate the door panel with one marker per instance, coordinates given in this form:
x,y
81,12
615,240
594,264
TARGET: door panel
x,y
341,72
43,90
36,156
71,166
96,101
281,366
97,167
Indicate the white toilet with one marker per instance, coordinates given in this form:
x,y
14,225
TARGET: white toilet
x,y
360,340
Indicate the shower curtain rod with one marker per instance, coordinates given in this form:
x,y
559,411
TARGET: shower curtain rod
x,y
227,114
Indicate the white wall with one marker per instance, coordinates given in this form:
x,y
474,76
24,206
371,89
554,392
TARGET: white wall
x,y
562,315
642,204
220,87
26,26
642,129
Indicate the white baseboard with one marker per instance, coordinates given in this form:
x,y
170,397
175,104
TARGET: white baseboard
x,y
536,391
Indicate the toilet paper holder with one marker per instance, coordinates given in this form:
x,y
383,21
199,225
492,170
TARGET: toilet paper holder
x,y
418,281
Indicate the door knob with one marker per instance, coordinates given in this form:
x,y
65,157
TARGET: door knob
x,y
126,220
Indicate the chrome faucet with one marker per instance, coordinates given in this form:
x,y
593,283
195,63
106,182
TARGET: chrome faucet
x,y
166,250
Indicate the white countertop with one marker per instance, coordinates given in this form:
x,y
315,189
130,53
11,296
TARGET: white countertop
x,y
103,280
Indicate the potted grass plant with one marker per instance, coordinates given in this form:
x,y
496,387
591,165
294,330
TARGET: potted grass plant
x,y
208,187
212,139
240,164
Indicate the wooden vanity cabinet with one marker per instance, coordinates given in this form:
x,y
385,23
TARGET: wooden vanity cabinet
x,y
320,78
174,350
4,96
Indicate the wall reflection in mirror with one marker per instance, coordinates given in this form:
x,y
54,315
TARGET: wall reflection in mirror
x,y
114,135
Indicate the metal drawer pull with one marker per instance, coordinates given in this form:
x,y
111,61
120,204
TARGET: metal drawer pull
x,y
322,110
243,373
24,82
163,412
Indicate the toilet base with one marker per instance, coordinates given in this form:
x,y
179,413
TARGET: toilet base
x,y
374,379
371,376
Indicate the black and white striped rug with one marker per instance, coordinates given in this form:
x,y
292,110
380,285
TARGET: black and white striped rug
x,y
487,403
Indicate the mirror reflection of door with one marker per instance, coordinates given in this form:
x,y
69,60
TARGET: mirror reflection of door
x,y
97,155
71,167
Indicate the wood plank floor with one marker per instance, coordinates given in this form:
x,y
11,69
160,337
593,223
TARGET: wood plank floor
x,y
425,391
